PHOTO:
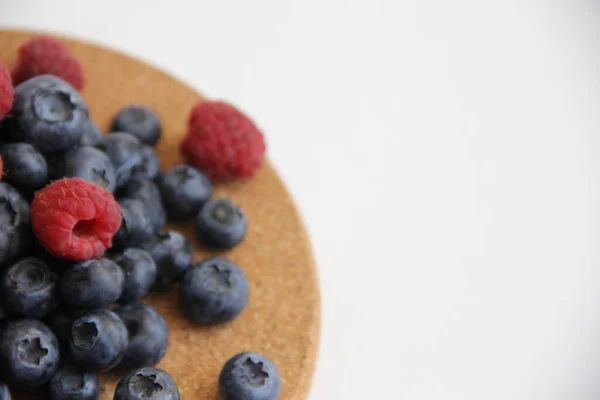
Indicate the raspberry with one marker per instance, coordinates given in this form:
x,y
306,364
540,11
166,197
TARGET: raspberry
x,y
223,142
7,92
45,55
75,219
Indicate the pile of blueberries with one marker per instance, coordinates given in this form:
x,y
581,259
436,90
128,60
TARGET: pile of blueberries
x,y
62,322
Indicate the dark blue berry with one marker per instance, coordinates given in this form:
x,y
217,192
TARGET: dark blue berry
x,y
150,166
147,384
4,392
214,291
140,273
147,192
60,321
173,253
221,224
92,135
184,190
249,376
15,228
139,120
92,284
98,340
148,336
29,288
123,150
88,163
136,227
29,352
49,114
24,167
70,383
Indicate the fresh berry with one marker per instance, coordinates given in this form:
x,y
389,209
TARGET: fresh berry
x,y
92,284
29,288
136,227
221,224
249,376
45,55
88,163
139,120
148,336
98,341
139,270
173,253
123,149
214,291
184,190
75,219
49,114
223,142
147,192
92,135
147,384
60,321
24,167
70,383
150,166
15,228
4,392
29,353
6,91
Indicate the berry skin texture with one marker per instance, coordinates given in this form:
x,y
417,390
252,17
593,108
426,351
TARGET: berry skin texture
x,y
48,113
45,55
124,150
25,168
4,392
223,142
75,219
140,273
184,190
92,135
147,384
29,353
7,91
88,163
136,227
92,284
139,120
69,383
249,376
147,192
98,341
150,167
214,291
15,231
148,336
29,288
173,253
221,224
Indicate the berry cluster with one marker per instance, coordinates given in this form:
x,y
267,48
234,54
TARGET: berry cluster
x,y
83,228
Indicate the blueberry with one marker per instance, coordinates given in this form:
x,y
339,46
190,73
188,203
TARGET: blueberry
x,y
221,224
123,149
150,166
92,135
48,113
249,376
136,227
173,253
24,167
29,353
139,120
148,336
4,392
70,383
29,288
147,192
88,163
60,321
214,291
139,270
184,190
147,384
98,340
92,284
15,228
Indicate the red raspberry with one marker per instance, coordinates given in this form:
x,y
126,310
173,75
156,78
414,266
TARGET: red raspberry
x,y
45,55
7,92
76,219
223,142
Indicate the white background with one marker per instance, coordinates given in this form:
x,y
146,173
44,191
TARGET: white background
x,y
445,156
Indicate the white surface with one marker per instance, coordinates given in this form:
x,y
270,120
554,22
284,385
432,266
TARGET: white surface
x,y
445,157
